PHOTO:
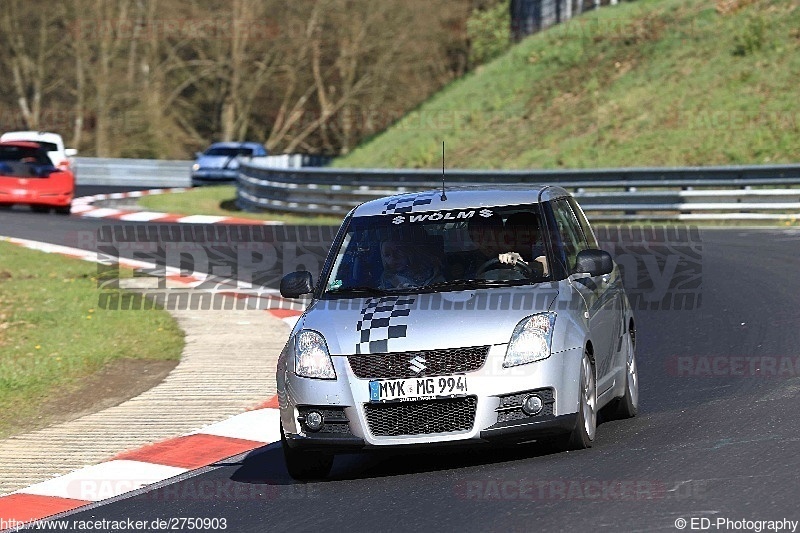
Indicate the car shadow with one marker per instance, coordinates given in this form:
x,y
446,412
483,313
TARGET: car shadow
x,y
266,466
229,205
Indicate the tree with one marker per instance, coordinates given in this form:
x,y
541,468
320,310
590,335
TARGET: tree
x,y
26,34
154,78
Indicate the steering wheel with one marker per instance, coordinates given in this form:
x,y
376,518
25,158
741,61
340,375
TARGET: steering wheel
x,y
524,268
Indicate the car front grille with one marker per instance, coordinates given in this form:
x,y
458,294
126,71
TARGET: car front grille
x,y
406,364
423,417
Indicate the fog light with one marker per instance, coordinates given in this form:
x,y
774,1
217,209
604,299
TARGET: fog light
x,y
532,405
314,420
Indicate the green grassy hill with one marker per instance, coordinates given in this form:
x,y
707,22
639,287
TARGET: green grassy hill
x,y
647,83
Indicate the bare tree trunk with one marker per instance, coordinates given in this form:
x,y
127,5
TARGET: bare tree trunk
x,y
79,44
38,78
27,68
153,73
102,104
228,114
115,14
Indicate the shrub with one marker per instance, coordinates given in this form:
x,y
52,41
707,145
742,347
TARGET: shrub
x,y
489,32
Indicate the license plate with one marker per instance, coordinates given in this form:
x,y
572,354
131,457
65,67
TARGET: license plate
x,y
405,390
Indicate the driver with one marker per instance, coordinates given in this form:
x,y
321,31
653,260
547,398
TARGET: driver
x,y
491,239
522,233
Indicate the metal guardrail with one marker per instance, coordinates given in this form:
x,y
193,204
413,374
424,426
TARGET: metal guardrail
x,y
132,172
688,193
290,161
157,173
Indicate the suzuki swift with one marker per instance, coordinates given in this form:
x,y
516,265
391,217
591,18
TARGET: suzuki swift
x,y
479,315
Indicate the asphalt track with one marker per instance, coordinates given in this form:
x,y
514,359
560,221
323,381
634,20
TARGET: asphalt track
x,y
716,436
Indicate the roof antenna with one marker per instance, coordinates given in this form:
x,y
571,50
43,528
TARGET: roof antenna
x,y
444,196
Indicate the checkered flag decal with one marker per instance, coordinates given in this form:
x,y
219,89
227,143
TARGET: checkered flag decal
x,y
406,203
379,323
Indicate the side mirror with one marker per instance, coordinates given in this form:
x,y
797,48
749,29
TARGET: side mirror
x,y
594,262
295,284
70,152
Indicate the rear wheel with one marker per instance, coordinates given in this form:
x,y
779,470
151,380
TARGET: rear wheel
x,y
66,210
582,435
304,464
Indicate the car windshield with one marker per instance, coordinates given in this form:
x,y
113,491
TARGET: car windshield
x,y
440,251
229,152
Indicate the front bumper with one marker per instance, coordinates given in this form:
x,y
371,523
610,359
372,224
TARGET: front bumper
x,y
214,176
507,433
490,385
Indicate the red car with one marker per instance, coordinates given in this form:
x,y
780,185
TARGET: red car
x,y
27,176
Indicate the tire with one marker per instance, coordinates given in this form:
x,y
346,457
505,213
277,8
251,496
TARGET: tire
x,y
628,405
305,465
583,434
66,210
40,209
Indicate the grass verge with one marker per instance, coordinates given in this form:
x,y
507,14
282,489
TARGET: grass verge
x,y
220,201
645,83
53,337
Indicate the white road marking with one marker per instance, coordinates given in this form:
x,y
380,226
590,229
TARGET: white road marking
x,y
101,212
260,425
105,480
142,216
201,219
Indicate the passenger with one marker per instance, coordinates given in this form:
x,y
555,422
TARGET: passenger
x,y
408,264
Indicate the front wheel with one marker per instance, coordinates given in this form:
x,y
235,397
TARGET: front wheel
x,y
303,464
582,435
628,405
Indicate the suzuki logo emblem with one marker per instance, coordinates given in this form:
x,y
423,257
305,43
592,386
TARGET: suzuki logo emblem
x,y
417,364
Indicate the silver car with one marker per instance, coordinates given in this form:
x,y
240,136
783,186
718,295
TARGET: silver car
x,y
476,315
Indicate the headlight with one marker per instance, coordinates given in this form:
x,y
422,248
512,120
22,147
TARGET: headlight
x,y
196,167
311,356
531,340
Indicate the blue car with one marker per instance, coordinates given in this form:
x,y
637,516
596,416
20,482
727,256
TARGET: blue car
x,y
220,162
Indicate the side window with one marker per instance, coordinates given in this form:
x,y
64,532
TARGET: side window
x,y
569,232
591,240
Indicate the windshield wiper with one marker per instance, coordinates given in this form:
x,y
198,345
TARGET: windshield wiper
x,y
361,289
475,283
